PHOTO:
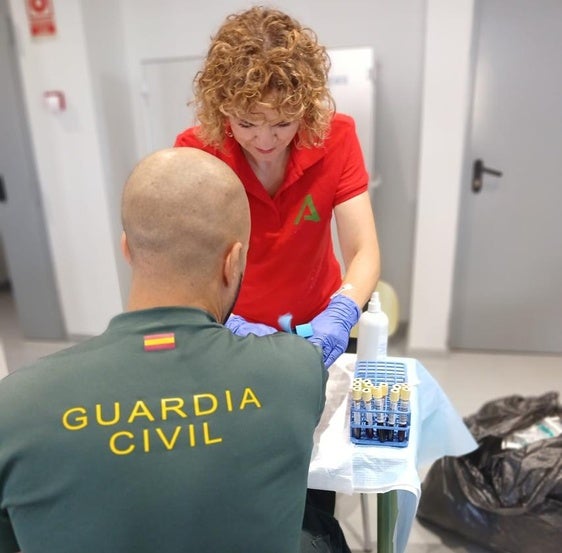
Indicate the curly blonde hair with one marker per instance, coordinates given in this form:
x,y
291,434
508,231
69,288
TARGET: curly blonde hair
x,y
263,57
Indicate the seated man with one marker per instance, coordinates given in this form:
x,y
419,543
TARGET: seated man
x,y
166,432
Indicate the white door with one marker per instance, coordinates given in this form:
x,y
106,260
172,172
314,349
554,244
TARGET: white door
x,y
508,280
22,226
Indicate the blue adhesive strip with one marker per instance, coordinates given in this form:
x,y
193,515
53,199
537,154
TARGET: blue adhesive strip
x,y
305,331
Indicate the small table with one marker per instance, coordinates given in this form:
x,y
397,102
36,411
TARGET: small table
x,y
436,430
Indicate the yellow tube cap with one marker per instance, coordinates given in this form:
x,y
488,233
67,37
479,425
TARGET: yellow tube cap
x,y
405,393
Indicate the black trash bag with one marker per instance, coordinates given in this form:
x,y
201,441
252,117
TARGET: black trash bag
x,y
507,500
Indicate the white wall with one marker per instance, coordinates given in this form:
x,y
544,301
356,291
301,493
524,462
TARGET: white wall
x,y
444,118
106,49
70,168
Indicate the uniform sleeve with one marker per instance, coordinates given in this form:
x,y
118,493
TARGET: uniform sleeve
x,y
303,361
8,542
322,398
354,179
319,374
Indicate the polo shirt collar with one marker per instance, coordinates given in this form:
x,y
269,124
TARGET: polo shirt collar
x,y
299,161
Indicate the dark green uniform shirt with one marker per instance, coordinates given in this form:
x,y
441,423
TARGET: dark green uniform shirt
x,y
166,433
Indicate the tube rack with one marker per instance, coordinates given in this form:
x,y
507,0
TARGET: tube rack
x,y
394,430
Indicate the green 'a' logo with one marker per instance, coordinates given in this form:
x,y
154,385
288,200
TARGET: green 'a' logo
x,y
308,207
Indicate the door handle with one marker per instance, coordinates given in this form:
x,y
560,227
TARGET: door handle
x,y
3,197
478,170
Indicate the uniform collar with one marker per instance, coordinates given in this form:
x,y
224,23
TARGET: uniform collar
x,y
160,316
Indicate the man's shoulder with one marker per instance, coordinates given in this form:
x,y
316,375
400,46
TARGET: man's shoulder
x,y
290,345
34,373
24,387
291,364
288,353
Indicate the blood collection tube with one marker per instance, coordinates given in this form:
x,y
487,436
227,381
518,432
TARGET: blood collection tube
x,y
392,407
356,410
403,409
378,400
367,396
384,386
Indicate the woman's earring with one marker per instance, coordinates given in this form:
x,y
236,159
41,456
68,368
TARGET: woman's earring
x,y
229,133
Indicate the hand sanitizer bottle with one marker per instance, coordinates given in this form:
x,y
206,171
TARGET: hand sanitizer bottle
x,y
372,334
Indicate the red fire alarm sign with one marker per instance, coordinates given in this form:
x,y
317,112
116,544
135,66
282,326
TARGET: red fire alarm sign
x,y
41,15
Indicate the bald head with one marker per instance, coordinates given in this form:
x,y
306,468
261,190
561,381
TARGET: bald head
x,y
182,209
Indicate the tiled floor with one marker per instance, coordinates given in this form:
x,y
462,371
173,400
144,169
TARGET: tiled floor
x,y
468,378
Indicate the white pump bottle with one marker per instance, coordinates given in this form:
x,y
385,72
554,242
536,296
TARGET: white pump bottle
x,y
372,334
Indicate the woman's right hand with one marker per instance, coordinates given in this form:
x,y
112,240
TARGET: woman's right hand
x,y
332,327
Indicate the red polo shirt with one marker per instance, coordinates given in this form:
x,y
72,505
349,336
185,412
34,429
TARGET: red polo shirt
x,y
291,263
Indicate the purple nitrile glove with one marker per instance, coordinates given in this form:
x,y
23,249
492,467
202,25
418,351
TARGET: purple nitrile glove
x,y
241,327
332,327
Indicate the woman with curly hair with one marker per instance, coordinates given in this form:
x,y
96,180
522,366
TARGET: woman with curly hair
x,y
264,108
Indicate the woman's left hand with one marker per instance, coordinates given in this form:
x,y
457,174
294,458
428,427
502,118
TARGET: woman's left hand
x,y
241,327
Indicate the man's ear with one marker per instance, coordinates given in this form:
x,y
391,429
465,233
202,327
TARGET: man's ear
x,y
125,248
233,265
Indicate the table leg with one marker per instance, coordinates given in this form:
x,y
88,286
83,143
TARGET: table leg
x,y
367,541
387,513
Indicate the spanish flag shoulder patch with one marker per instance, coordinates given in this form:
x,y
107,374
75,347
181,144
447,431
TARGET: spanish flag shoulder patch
x,y
155,342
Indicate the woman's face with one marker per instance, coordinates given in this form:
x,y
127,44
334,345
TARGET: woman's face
x,y
263,133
